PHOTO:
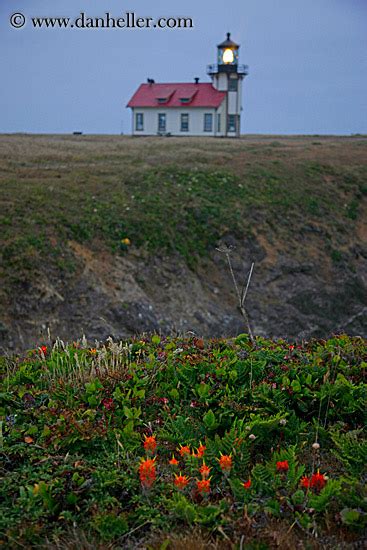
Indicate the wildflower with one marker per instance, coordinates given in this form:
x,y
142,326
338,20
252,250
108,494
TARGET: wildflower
x,y
316,446
43,350
108,403
173,461
201,450
93,351
203,486
150,444
283,422
252,437
205,471
225,463
181,481
247,484
318,481
282,466
184,451
147,472
305,482
126,241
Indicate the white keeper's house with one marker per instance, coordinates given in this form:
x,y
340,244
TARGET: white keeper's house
x,y
194,109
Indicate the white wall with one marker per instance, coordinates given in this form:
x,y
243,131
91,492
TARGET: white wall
x,y
173,120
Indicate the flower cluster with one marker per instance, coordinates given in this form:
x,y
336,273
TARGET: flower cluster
x,y
316,481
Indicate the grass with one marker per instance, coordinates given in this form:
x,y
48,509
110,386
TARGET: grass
x,y
74,421
177,198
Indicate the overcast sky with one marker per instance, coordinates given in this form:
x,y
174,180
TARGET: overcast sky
x,y
307,61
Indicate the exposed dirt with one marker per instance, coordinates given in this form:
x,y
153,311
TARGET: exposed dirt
x,y
122,296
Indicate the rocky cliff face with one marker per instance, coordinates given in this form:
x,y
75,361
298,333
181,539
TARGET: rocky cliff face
x,y
123,296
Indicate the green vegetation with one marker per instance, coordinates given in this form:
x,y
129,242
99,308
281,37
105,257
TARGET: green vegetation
x,y
171,196
74,423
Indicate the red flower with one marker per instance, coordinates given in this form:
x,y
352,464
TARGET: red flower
x,y
225,463
247,484
184,451
282,466
318,481
150,444
147,472
305,482
43,350
108,403
181,481
205,471
203,486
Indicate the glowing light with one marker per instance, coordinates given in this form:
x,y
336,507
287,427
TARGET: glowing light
x,y
228,56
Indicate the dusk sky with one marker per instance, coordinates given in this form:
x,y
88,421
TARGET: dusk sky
x,y
307,63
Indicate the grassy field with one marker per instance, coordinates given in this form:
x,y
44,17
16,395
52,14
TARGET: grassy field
x,y
172,443
175,194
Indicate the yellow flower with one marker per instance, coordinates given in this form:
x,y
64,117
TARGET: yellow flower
x,y
126,241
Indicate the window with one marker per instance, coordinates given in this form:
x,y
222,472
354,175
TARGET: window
x,y
233,85
161,122
219,123
139,121
184,122
232,126
162,100
185,99
208,122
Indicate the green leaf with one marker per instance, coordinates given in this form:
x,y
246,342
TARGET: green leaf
x,y
209,420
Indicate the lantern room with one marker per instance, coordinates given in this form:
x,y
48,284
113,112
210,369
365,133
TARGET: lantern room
x,y
228,55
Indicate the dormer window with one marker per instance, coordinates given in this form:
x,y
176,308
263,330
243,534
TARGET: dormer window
x,y
185,100
162,100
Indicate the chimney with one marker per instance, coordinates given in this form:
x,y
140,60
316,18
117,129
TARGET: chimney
x,y
197,80
150,81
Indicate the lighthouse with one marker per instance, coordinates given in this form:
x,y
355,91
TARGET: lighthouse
x,y
227,76
193,108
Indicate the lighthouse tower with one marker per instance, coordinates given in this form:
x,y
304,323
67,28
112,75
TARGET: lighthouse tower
x,y
227,76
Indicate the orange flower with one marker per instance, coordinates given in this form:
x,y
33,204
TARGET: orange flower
x,y
318,481
147,472
150,444
184,451
225,462
282,466
203,486
173,461
201,450
181,481
205,471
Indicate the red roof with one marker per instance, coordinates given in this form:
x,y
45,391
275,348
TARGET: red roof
x,y
177,95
